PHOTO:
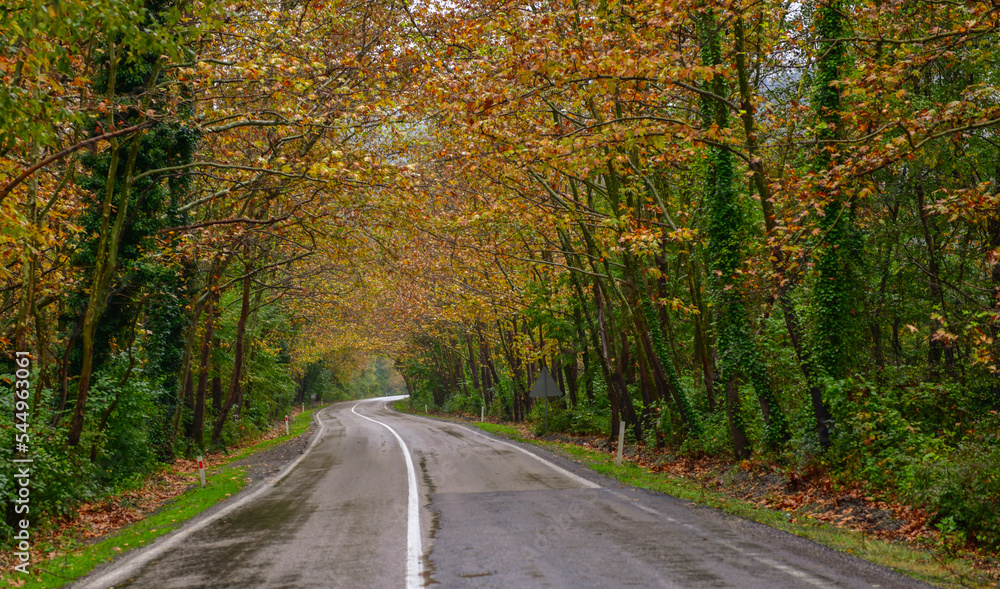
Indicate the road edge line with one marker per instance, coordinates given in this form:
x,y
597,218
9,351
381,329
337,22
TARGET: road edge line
x,y
121,572
587,484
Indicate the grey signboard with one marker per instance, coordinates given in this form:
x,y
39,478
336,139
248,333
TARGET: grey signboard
x,y
545,386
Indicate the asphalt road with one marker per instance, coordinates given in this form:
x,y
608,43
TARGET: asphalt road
x,y
385,500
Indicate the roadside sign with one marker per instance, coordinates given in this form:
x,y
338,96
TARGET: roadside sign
x,y
545,386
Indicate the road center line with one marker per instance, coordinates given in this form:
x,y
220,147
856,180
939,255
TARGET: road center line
x,y
413,543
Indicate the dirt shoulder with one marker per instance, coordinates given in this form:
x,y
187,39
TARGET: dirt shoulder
x,y
262,465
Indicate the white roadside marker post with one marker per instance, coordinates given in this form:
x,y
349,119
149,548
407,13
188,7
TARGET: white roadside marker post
x,y
621,442
425,408
201,469
286,425
482,413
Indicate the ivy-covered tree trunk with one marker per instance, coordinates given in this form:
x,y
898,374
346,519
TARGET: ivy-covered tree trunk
x,y
727,229
831,299
131,204
777,258
105,261
663,367
703,350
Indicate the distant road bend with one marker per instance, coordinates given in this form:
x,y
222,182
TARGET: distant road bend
x,y
385,500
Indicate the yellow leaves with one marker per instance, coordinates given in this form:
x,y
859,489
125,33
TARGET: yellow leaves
x,y
945,337
683,234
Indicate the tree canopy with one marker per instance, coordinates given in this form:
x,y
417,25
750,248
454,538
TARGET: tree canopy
x,y
740,228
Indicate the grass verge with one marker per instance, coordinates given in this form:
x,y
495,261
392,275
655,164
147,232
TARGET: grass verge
x,y
65,564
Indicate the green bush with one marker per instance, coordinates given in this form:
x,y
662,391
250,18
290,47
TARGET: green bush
x,y
60,478
590,419
962,486
715,438
874,442
463,403
585,419
128,442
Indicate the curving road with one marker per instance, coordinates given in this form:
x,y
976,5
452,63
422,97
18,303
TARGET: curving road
x,y
386,500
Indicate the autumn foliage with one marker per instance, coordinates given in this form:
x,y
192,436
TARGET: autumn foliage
x,y
742,229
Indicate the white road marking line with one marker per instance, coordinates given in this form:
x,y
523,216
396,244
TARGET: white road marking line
x,y
645,508
121,572
575,477
650,510
788,570
414,551
798,574
794,572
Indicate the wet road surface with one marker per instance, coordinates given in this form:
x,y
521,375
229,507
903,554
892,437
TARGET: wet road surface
x,y
470,511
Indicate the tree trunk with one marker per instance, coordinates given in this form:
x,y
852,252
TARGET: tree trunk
x,y
64,375
235,383
186,385
741,446
216,381
473,367
491,379
777,257
198,415
831,300
617,390
937,347
993,230
570,368
702,349
106,259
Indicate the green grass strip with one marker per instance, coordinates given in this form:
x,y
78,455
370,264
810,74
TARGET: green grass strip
x,y
224,481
